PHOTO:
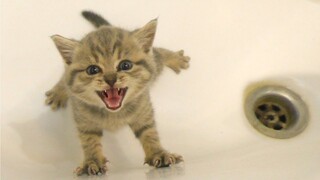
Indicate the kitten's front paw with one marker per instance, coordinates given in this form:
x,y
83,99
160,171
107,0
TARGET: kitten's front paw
x,y
163,159
178,61
91,168
56,98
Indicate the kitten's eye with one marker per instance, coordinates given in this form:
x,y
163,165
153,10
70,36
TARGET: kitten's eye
x,y
125,65
93,69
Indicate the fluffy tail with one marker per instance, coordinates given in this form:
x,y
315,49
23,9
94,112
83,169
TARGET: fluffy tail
x,y
95,19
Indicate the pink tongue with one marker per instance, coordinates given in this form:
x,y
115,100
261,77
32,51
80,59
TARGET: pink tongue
x,y
113,99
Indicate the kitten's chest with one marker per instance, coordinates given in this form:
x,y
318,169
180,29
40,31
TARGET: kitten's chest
x,y
95,117
114,122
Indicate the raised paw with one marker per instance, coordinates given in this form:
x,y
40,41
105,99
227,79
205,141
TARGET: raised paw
x,y
163,159
56,97
178,61
91,168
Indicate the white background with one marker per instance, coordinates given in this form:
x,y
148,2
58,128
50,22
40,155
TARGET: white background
x,y
199,112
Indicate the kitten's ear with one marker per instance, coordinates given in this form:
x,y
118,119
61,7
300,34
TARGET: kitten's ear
x,y
145,35
65,46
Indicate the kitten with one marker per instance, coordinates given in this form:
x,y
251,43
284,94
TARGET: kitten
x,y
107,79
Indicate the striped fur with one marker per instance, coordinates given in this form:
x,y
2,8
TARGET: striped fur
x,y
106,47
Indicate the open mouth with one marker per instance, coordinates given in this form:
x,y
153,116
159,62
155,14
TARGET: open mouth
x,y
113,97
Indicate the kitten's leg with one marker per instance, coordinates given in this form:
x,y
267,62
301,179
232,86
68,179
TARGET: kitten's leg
x,y
174,60
94,161
57,96
156,156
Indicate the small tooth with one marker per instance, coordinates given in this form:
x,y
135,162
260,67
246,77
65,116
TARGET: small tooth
x,y
105,93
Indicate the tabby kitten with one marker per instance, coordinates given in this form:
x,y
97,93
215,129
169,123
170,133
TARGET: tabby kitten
x,y
107,78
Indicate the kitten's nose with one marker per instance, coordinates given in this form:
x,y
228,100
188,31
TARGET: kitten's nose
x,y
111,79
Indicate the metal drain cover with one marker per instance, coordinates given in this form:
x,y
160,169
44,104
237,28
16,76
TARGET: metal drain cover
x,y
276,111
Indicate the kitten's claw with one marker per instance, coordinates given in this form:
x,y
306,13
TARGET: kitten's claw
x,y
91,169
163,159
182,62
178,61
181,52
185,63
56,98
157,162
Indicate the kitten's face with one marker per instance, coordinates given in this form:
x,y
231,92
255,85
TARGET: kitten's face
x,y
110,66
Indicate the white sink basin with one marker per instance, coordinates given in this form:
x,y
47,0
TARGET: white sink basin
x,y
199,113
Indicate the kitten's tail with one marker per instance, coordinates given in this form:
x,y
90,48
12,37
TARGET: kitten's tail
x,y
95,19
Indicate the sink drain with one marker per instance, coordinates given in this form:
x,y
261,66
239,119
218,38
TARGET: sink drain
x,y
276,111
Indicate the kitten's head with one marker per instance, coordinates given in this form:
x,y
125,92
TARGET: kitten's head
x,y
110,66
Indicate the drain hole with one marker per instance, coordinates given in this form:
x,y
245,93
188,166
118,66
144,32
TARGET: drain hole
x,y
276,108
277,127
283,118
263,107
275,111
272,114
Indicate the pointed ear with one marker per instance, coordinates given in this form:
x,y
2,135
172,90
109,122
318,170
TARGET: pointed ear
x,y
65,46
145,35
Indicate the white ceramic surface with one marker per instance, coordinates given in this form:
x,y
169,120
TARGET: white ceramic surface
x,y
199,113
